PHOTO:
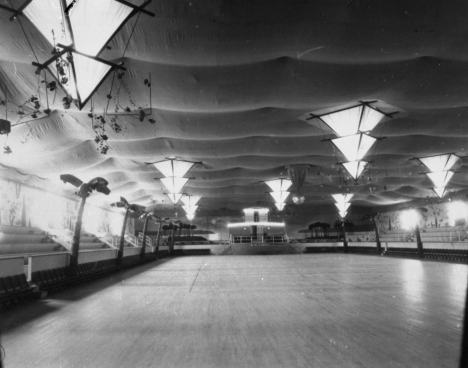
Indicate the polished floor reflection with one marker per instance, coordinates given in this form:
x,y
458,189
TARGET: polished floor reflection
x,y
249,311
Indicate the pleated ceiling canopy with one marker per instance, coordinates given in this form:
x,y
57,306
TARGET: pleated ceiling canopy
x,y
229,82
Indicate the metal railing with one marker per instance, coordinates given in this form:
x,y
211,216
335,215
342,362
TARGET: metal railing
x,y
149,240
257,239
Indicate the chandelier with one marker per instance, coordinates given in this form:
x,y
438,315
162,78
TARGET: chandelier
x,y
279,192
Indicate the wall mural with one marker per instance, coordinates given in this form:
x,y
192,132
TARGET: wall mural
x,y
25,206
436,216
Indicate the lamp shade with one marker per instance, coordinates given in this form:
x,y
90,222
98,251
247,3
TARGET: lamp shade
x,y
190,200
279,197
280,206
174,197
355,168
278,185
439,162
440,179
353,120
354,147
174,167
173,184
440,191
342,207
342,198
88,24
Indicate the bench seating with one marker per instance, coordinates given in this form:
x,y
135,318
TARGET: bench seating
x,y
14,289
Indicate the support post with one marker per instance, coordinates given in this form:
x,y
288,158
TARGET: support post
x,y
377,237
419,242
143,246
122,239
73,266
171,246
345,241
156,250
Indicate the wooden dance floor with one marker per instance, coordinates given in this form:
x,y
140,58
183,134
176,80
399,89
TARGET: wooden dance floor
x,y
317,310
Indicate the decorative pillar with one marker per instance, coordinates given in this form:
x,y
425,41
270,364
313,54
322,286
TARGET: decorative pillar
x,y
377,237
171,247
142,252
159,237
73,266
122,238
345,241
419,242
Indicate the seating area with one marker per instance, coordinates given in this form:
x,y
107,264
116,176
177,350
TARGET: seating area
x,y
14,290
24,240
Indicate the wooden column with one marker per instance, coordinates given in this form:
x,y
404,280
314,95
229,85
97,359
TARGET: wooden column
x,y
73,266
122,239
145,226
377,237
419,242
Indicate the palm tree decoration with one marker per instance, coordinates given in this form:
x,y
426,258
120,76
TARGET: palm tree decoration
x,y
98,184
135,209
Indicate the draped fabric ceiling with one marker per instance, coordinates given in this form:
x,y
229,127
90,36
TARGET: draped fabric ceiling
x,y
230,80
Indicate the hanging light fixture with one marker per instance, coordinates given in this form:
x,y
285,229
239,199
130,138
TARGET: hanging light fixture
x,y
361,118
440,174
279,192
298,174
174,169
190,207
439,163
354,147
355,168
342,203
78,31
174,197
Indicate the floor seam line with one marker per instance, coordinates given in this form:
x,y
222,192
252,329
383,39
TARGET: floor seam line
x,y
196,276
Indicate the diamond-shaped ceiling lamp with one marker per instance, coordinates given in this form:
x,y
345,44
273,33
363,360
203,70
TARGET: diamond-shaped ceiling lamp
x,y
90,24
440,162
80,76
342,207
174,197
279,197
190,209
342,198
173,184
356,119
440,179
279,185
280,206
355,168
440,191
354,147
190,200
174,167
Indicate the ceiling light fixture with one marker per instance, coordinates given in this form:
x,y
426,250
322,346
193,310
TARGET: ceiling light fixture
x,y
279,192
78,31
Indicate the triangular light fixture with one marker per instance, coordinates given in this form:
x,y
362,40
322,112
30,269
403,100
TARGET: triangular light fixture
x,y
174,197
440,179
355,168
440,191
354,147
279,185
356,119
439,162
